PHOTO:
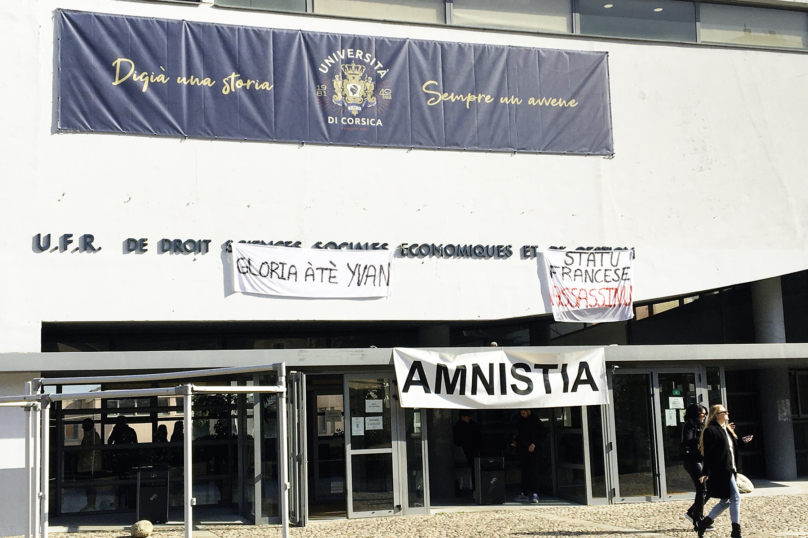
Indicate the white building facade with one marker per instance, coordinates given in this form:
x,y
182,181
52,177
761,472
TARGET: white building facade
x,y
706,183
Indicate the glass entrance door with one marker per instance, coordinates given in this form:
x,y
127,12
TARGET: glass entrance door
x,y
637,467
676,391
648,415
370,434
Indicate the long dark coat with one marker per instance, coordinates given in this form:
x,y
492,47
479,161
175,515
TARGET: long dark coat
x,y
718,460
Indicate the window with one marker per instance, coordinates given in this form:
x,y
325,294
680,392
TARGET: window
x,y
427,11
753,26
275,5
529,15
646,19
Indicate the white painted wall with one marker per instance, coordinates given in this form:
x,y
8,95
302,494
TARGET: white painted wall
x,y
13,475
708,184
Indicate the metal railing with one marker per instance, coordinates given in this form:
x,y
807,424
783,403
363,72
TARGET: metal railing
x,y
37,434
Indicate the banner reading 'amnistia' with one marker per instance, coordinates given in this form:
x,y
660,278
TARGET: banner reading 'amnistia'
x,y
151,76
502,379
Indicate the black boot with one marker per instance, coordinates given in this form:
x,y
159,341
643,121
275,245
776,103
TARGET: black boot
x,y
703,524
696,522
736,530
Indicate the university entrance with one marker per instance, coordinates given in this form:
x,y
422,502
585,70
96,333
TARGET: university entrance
x,y
360,453
646,419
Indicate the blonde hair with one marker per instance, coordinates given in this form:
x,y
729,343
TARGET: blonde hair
x,y
710,418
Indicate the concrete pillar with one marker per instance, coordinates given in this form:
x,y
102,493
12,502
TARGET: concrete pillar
x,y
767,311
777,429
773,387
434,336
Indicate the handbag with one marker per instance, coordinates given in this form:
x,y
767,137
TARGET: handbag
x,y
744,484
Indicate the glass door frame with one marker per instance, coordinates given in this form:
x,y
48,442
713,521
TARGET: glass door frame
x,y
297,454
395,442
700,378
657,439
403,461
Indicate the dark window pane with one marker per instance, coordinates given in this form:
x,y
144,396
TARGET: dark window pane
x,y
802,386
646,19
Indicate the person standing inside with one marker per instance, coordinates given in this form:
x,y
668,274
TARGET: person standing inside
x,y
89,460
719,446
467,435
529,435
692,459
124,458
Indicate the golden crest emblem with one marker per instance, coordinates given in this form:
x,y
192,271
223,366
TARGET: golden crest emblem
x,y
353,91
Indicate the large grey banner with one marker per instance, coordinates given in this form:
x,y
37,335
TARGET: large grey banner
x,y
177,78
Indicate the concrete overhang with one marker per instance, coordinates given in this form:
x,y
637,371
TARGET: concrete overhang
x,y
732,356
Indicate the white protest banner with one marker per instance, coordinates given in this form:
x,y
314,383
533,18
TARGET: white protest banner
x,y
500,379
590,286
296,272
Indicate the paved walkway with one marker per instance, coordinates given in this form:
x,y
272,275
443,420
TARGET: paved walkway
x,y
773,510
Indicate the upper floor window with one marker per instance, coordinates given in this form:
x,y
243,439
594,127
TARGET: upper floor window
x,y
527,15
669,20
753,26
426,11
276,5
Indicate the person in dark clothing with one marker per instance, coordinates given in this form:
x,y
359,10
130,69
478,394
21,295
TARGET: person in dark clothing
x,y
529,435
693,460
467,435
176,456
124,459
719,446
160,455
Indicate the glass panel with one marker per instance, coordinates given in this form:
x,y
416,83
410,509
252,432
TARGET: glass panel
x,y
648,19
329,457
276,5
105,441
89,498
428,11
742,403
714,386
547,15
372,482
569,437
754,26
248,456
676,392
270,478
801,446
794,394
415,458
572,483
370,414
597,466
802,388
633,427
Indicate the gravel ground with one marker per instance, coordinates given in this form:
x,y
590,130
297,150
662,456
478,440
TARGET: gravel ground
x,y
772,516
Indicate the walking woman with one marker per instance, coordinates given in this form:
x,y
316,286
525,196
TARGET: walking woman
x,y
693,460
719,445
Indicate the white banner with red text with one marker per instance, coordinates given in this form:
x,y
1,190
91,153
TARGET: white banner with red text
x,y
312,273
502,379
590,286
